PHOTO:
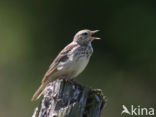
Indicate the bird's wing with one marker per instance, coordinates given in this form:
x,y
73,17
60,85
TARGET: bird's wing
x,y
62,56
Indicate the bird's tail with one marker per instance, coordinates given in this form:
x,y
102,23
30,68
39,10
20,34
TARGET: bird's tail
x,y
39,91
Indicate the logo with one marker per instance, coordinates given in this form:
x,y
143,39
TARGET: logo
x,y
138,110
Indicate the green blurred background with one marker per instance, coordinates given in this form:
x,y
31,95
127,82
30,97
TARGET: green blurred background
x,y
123,64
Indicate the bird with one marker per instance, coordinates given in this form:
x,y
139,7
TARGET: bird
x,y
71,61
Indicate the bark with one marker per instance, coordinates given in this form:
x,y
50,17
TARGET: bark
x,y
63,98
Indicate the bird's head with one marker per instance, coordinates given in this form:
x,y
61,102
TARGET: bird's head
x,y
84,37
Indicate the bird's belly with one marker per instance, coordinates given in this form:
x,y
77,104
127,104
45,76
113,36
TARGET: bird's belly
x,y
80,65
73,68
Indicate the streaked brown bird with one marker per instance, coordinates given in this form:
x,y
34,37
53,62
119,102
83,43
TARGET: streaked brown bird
x,y
71,61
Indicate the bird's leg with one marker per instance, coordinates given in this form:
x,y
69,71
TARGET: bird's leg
x,y
70,80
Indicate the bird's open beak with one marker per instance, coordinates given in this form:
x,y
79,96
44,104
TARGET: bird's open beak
x,y
92,33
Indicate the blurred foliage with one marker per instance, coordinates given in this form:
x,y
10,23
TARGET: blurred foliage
x,y
123,64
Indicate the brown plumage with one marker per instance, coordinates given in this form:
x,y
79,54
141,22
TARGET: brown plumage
x,y
71,61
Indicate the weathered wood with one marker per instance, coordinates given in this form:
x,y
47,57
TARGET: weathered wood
x,y
69,99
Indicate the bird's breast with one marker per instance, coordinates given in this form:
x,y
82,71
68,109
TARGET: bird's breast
x,y
79,64
76,63
80,60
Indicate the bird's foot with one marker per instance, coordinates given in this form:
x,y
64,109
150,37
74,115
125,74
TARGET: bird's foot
x,y
70,80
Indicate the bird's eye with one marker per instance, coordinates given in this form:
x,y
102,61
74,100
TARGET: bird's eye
x,y
85,34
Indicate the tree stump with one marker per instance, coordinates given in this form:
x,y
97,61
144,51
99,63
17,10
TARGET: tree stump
x,y
63,98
